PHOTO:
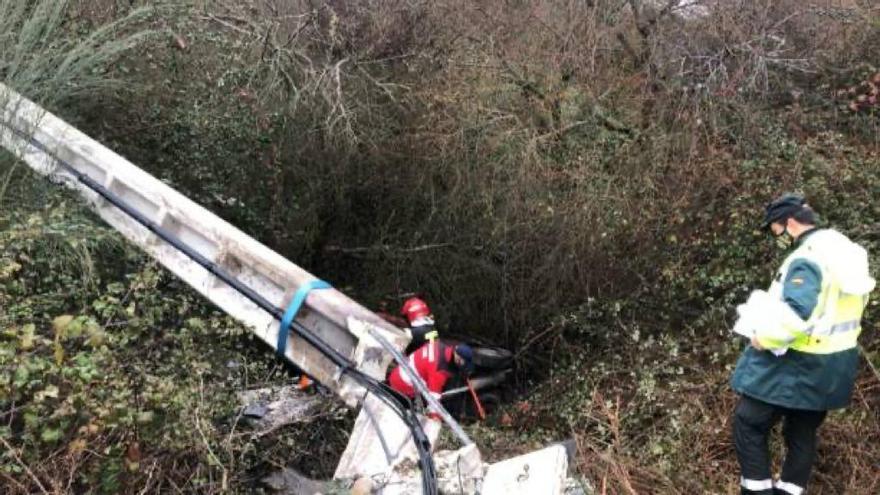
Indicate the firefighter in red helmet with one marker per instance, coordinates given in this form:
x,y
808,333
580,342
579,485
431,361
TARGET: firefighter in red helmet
x,y
421,322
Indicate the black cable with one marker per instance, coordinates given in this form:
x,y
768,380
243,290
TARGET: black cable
x,y
423,444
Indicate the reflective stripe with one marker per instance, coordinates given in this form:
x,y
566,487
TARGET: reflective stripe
x,y
837,328
847,326
431,355
421,321
828,344
788,487
404,375
756,485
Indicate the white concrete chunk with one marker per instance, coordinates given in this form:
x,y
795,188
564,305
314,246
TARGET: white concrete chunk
x,y
379,442
541,472
459,471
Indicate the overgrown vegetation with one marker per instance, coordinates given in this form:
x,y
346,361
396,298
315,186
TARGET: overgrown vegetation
x,y
117,379
579,181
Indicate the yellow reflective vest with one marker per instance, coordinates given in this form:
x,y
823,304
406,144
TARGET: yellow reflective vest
x,y
818,367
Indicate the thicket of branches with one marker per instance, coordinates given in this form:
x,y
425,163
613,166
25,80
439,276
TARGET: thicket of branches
x,y
513,158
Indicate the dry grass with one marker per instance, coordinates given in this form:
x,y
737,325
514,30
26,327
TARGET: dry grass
x,y
661,423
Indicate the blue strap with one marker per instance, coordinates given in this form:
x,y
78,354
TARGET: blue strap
x,y
295,304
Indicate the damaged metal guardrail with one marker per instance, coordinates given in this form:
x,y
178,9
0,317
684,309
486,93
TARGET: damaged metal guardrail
x,y
217,260
63,154
339,343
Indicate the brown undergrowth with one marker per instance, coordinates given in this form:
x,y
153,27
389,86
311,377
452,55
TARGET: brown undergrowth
x,y
657,420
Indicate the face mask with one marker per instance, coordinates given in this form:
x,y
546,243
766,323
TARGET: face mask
x,y
784,240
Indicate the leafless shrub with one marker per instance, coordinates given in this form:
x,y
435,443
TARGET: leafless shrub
x,y
530,139
331,60
757,48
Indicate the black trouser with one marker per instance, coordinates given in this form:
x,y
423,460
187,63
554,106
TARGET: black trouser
x,y
753,420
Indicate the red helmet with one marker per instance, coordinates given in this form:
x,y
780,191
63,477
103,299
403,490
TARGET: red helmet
x,y
414,308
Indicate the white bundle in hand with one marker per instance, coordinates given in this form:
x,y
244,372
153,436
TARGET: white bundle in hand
x,y
752,314
769,316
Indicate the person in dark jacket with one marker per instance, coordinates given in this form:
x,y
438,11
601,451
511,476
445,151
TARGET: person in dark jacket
x,y
802,358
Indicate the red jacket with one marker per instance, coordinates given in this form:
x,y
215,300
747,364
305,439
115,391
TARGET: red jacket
x,y
433,362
